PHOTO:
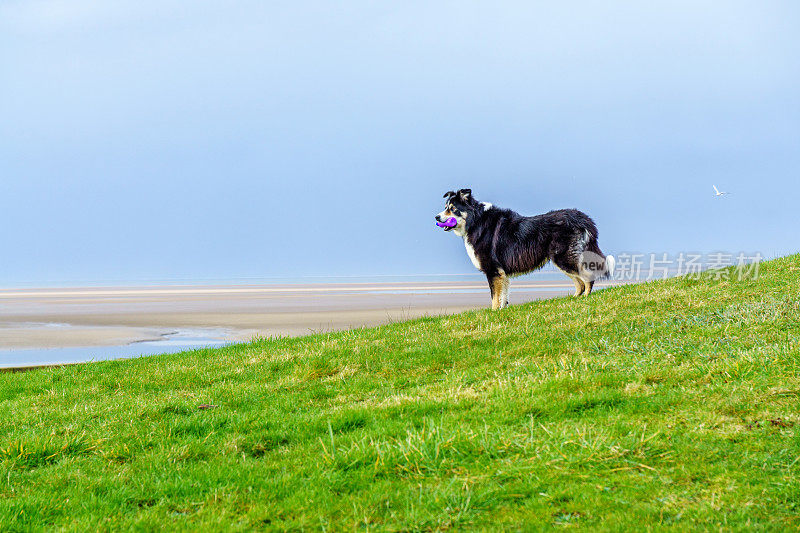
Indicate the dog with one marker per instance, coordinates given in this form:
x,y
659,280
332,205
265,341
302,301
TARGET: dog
x,y
502,243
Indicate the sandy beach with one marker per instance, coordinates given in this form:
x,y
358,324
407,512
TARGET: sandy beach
x,y
109,316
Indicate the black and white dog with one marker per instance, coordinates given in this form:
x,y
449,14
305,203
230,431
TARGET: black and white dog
x,y
502,243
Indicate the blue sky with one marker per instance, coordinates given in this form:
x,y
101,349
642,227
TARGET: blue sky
x,y
189,140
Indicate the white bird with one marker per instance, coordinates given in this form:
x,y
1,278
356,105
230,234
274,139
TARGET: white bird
x,y
718,192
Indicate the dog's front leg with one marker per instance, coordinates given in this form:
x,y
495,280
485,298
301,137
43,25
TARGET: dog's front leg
x,y
497,283
493,290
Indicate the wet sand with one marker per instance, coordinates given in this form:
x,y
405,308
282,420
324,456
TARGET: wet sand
x,y
112,316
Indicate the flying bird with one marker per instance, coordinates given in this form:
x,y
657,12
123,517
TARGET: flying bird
x,y
718,192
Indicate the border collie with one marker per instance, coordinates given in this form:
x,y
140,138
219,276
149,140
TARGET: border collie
x,y
502,243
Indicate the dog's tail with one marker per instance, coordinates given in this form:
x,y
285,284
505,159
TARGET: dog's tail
x,y
610,264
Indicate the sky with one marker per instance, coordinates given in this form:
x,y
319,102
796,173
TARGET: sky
x,y
188,140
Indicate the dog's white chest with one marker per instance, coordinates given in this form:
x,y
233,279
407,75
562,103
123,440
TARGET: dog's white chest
x,y
471,254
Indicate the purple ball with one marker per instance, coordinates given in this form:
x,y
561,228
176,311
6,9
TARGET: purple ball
x,y
449,223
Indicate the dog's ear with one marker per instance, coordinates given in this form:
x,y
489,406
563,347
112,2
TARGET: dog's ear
x,y
465,195
449,194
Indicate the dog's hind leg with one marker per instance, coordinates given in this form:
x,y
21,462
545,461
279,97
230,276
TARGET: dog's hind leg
x,y
580,286
589,285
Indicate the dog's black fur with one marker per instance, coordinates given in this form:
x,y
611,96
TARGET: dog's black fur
x,y
505,243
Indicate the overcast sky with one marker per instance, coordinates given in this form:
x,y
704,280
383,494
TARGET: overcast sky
x,y
145,140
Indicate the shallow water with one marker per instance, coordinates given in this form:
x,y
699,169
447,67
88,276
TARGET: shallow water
x,y
178,341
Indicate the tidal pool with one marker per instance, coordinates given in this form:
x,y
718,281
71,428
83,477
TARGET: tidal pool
x,y
177,341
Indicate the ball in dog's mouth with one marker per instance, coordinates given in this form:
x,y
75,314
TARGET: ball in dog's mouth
x,y
448,224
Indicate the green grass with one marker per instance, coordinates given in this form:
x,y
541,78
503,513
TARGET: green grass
x,y
673,403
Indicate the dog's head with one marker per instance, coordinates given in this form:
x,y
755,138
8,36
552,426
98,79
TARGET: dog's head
x,y
459,205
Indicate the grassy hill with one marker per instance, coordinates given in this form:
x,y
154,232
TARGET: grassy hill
x,y
667,403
